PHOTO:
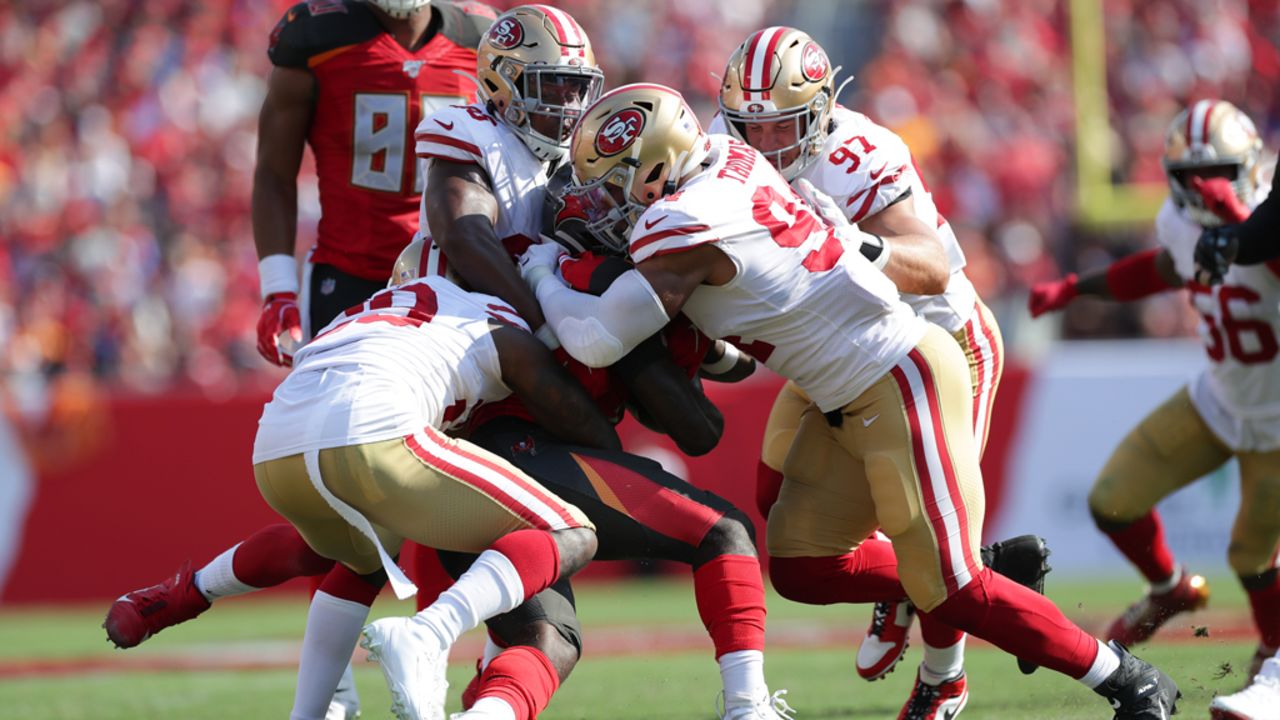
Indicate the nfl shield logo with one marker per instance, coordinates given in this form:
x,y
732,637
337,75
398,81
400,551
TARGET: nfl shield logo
x,y
328,285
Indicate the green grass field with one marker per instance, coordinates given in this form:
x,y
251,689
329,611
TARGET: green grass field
x,y
650,660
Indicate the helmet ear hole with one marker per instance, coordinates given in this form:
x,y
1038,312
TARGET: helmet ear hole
x,y
654,174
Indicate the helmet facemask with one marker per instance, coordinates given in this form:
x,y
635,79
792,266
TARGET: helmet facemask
x,y
1211,139
804,141
400,9
547,103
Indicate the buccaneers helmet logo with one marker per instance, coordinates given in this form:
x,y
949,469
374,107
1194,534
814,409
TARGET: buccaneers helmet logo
x,y
507,34
813,63
619,131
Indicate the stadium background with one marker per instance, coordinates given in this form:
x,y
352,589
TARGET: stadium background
x,y
128,286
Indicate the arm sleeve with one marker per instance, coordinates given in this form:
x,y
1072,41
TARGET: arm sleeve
x,y
598,331
1258,235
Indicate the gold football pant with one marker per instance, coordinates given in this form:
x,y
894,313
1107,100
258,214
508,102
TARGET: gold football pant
x,y
900,457
983,347
1173,447
426,487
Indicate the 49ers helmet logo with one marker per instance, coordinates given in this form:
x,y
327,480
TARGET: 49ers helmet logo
x,y
619,131
813,63
506,33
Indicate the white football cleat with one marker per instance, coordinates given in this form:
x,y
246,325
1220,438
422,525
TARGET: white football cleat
x,y
345,704
1260,700
765,707
886,639
413,664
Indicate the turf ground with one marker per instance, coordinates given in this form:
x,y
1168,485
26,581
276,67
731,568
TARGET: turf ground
x,y
647,658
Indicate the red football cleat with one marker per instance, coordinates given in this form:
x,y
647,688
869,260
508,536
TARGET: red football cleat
x,y
1144,617
140,614
936,702
886,639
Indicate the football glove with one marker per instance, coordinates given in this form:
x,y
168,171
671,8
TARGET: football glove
x,y
280,328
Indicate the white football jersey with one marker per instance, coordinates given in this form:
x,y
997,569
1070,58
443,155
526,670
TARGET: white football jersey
x,y
468,134
865,167
412,356
1238,395
802,302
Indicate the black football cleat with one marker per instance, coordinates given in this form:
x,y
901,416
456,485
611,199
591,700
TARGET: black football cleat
x,y
1024,560
1138,690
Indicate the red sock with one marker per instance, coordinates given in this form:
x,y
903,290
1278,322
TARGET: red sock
x,y
768,485
937,633
535,556
868,574
275,554
730,596
342,582
1142,541
1019,621
428,574
522,677
1264,598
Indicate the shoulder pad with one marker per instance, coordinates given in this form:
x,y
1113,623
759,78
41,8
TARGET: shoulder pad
x,y
318,26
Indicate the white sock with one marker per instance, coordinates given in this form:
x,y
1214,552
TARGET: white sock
x,y
333,626
491,587
1106,663
491,651
942,664
489,708
1164,587
742,673
218,579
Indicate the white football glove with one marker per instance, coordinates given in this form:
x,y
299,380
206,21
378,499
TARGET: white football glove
x,y
539,262
822,203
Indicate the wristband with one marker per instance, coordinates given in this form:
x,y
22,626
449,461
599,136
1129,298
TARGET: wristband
x,y
278,273
726,362
877,252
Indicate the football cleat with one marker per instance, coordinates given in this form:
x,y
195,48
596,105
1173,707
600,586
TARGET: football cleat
x,y
140,614
1138,690
936,702
413,664
1024,560
765,707
886,639
1145,616
1257,701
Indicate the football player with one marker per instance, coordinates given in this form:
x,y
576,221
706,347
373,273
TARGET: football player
x,y
1212,159
352,451
778,94
716,233
352,79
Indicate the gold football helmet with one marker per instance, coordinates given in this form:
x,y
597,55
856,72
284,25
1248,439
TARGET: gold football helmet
x,y
780,75
410,264
634,145
1211,138
536,72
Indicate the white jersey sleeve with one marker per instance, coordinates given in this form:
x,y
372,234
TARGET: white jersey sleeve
x,y
455,132
865,167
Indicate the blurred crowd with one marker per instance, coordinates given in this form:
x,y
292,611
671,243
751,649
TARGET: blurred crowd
x,y
127,140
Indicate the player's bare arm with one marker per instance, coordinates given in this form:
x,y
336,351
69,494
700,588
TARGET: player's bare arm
x,y
282,135
1129,278
918,264
556,401
668,401
461,212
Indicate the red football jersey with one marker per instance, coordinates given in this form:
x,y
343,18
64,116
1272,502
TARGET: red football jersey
x,y
371,94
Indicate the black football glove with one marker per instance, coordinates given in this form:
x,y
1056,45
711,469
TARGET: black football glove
x,y
1215,251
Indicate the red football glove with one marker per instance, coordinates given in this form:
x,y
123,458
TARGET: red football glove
x,y
1053,295
1220,199
279,328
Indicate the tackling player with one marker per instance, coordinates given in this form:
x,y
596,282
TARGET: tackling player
x,y
1231,409
716,233
352,451
778,94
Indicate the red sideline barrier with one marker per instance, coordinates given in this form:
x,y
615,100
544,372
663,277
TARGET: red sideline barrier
x,y
172,480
